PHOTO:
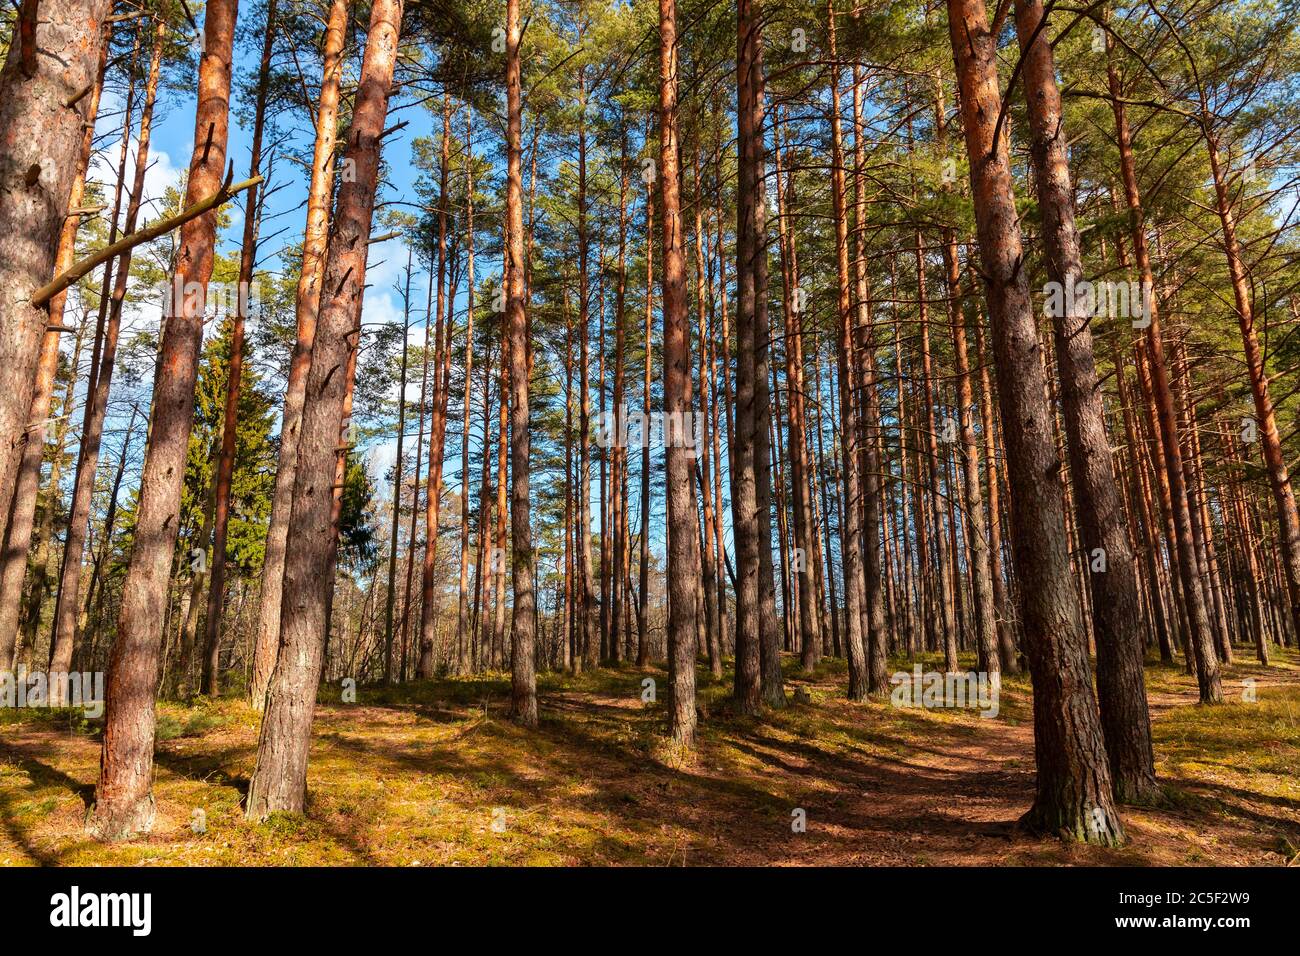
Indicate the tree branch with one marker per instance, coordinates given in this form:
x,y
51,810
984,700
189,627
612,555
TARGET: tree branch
x,y
163,226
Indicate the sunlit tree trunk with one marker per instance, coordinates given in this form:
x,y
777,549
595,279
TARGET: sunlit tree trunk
x,y
1199,639
523,700
279,780
22,515
1121,686
320,191
1073,778
1279,476
230,419
123,802
103,362
683,547
42,109
810,638
45,556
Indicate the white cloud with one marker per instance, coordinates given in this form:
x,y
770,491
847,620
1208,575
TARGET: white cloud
x,y
159,175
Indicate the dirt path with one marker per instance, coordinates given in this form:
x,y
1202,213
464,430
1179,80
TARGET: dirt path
x,y
437,775
955,796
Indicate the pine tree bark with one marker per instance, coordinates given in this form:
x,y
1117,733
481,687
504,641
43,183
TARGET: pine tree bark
x,y
809,598
939,510
704,464
618,470
391,600
103,362
1073,787
1141,499
1199,639
123,802
279,780
462,620
744,479
850,519
230,418
1121,685
1279,476
868,415
44,558
683,546
320,192
643,580
769,634
438,418
22,515
415,491
43,107
523,698
589,605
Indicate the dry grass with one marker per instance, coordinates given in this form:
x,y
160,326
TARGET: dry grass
x,y
436,775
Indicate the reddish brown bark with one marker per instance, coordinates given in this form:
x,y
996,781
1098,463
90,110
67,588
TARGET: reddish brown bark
x,y
103,362
41,132
230,418
320,191
523,699
438,417
1073,778
809,597
462,630
123,801
22,515
44,557
1199,639
1121,686
1279,476
683,551
279,781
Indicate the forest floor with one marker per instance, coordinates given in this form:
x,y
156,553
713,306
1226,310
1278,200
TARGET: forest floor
x,y
435,774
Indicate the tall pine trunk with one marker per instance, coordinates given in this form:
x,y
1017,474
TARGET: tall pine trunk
x,y
230,418
1279,476
1117,619
103,362
523,625
1073,787
279,781
42,109
123,802
320,192
1200,643
22,516
683,546
851,537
